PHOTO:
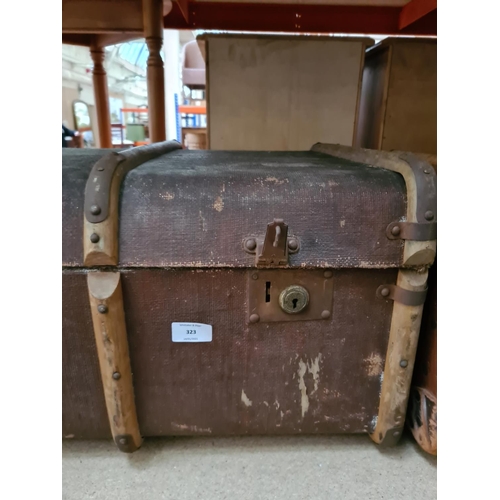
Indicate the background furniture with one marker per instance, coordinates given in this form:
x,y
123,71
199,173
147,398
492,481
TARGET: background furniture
x,y
398,108
282,92
193,66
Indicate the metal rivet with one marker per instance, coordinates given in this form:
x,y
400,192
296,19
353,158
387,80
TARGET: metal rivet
x,y
255,276
116,375
95,209
103,309
385,292
395,230
325,314
254,318
100,169
122,441
427,171
251,244
429,215
94,238
403,363
293,244
327,274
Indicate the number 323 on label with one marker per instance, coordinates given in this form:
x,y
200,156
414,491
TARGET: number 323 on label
x,y
191,332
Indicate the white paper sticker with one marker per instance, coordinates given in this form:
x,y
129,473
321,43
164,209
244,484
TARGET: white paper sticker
x,y
191,332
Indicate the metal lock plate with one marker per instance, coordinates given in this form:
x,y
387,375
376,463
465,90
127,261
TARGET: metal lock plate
x,y
266,287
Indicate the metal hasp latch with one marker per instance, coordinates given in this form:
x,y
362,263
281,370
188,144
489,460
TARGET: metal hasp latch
x,y
273,249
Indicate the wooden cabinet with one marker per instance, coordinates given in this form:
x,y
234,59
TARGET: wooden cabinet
x,y
279,93
398,106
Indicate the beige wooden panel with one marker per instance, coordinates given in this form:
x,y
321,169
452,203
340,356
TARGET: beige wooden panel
x,y
282,93
411,115
373,98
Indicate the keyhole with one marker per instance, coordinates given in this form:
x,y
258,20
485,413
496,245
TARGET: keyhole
x,y
268,291
293,299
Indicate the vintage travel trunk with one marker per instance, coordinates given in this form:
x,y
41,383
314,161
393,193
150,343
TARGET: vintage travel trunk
x,y
219,292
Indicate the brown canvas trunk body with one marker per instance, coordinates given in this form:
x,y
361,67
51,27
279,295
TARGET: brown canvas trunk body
x,y
188,221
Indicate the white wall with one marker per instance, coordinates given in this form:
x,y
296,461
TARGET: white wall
x,y
171,53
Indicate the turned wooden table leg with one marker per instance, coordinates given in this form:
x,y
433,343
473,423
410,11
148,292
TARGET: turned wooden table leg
x,y
100,81
153,32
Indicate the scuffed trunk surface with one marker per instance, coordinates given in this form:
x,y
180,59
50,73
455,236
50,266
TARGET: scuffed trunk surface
x,y
267,378
195,208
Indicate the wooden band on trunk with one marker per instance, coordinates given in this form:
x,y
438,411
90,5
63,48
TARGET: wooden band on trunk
x,y
399,361
100,247
108,317
420,180
102,196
